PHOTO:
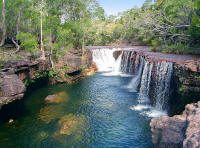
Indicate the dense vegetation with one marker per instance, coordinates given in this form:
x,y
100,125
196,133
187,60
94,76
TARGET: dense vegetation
x,y
48,25
166,25
56,26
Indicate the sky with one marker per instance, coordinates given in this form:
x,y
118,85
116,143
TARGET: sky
x,y
115,6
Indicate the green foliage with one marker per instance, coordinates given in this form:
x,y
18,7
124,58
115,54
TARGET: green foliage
x,y
28,41
176,48
38,76
169,25
65,23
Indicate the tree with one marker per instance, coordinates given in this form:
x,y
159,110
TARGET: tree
x,y
3,25
41,9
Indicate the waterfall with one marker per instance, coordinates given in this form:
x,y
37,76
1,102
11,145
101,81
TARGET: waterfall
x,y
130,61
145,83
150,78
105,61
117,65
164,72
155,84
135,82
155,88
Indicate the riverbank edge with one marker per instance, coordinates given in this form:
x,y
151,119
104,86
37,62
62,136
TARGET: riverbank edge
x,y
17,76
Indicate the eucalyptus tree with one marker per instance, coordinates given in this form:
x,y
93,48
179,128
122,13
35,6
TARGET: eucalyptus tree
x,y
3,24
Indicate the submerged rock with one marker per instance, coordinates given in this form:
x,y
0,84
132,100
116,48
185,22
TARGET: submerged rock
x,y
70,124
57,98
178,131
49,113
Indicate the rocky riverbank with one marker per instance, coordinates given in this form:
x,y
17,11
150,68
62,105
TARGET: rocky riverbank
x,y
16,76
178,131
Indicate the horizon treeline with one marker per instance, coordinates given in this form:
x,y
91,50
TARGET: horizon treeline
x,y
56,26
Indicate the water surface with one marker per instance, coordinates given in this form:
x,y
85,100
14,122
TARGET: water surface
x,y
95,112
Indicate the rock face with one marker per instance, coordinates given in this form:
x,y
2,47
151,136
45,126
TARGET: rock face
x,y
186,86
178,131
11,88
73,60
73,66
13,75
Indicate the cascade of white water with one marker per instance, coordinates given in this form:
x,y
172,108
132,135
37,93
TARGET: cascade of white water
x,y
117,65
145,83
151,78
104,59
135,82
164,72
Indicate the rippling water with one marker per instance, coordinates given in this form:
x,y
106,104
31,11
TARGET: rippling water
x,y
95,112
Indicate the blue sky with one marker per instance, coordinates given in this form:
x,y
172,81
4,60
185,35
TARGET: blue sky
x,y
115,6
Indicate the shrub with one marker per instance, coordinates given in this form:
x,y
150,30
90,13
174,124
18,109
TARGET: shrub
x,y
28,41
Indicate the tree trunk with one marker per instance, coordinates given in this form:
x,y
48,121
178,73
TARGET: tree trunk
x,y
41,37
16,45
18,22
83,43
3,37
51,60
51,54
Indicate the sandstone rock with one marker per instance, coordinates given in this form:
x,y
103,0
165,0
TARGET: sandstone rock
x,y
116,54
193,65
178,131
90,71
17,64
12,76
11,88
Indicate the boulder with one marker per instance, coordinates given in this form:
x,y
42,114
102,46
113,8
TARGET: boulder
x,y
57,98
178,131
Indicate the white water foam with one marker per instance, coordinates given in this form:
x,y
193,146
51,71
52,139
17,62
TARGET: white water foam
x,y
149,111
116,68
140,107
153,113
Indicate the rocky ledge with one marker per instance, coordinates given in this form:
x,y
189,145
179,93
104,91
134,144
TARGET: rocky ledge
x,y
178,131
13,76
